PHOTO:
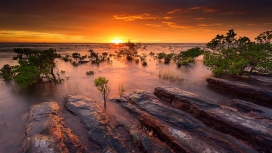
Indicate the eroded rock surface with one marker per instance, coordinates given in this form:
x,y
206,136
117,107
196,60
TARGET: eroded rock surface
x,y
245,120
97,124
252,93
178,129
46,132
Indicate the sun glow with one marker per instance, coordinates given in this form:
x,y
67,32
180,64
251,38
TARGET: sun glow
x,y
116,41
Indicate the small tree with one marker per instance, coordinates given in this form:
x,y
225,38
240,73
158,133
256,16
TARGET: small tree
x,y
101,84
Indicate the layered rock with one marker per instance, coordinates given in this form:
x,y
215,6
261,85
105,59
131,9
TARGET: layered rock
x,y
244,120
97,124
46,132
252,93
178,129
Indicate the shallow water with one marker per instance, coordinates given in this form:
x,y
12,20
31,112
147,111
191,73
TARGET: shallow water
x,y
15,102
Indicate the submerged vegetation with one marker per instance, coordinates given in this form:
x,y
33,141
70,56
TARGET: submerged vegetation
x,y
240,56
169,75
34,65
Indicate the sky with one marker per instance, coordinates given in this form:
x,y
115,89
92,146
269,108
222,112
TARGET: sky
x,y
146,21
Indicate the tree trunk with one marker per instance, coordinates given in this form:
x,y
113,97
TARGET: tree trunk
x,y
104,102
52,73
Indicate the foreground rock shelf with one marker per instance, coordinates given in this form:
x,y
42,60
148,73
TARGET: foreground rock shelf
x,y
242,119
105,136
254,94
171,121
178,129
45,131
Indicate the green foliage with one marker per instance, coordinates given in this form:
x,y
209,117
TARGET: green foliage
x,y
34,65
101,83
7,72
240,56
76,55
161,55
185,61
192,53
144,63
90,73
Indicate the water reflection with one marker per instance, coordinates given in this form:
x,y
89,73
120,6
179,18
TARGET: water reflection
x,y
15,102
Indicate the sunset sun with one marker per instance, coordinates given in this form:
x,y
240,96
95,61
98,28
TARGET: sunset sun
x,y
116,41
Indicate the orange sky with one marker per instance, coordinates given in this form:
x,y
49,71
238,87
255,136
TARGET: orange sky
x,y
154,21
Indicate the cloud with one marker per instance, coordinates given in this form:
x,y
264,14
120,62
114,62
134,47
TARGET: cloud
x,y
175,25
203,18
153,25
209,25
205,9
144,16
174,11
233,13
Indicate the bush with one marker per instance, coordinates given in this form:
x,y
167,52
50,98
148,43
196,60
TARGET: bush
x,y
7,72
240,56
90,73
185,62
129,58
33,66
192,52
144,63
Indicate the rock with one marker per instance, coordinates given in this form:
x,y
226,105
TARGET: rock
x,y
242,119
97,124
253,110
46,132
254,94
178,129
82,62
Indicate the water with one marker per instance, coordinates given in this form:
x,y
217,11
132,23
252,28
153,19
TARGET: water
x,y
15,102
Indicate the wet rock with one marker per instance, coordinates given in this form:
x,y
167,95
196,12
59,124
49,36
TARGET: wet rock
x,y
46,132
252,109
254,94
82,62
97,124
178,129
244,120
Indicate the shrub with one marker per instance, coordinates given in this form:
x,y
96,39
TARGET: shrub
x,y
90,73
144,63
240,56
34,65
101,84
7,72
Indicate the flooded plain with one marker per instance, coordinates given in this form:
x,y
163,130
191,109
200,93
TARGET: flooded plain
x,y
15,102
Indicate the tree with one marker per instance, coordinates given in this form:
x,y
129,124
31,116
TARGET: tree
x,y
239,56
6,73
101,84
33,66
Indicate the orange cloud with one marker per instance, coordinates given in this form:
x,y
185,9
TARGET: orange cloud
x,y
205,9
209,25
174,11
203,18
144,16
153,25
175,25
